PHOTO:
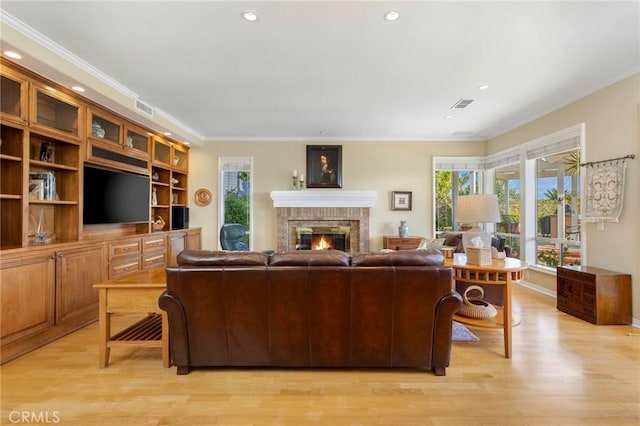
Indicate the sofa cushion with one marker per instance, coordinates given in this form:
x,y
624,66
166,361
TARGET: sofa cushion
x,y
309,258
222,258
428,257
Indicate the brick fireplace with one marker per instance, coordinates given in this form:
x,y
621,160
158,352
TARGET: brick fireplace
x,y
323,211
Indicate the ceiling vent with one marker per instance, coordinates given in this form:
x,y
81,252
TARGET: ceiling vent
x,y
144,108
462,103
463,133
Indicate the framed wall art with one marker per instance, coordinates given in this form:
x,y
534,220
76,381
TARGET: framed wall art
x,y
324,166
401,200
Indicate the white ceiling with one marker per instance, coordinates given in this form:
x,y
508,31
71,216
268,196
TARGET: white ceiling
x,y
322,70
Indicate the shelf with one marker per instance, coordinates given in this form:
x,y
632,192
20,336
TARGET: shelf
x,y
495,322
10,157
54,202
10,197
147,329
44,164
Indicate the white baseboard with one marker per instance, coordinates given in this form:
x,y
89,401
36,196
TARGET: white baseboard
x,y
551,293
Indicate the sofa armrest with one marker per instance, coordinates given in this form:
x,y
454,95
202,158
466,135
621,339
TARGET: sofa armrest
x,y
447,307
179,342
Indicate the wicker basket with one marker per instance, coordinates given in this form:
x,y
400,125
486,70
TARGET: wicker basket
x,y
474,307
478,255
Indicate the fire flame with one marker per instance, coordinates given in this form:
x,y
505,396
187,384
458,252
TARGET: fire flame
x,y
322,244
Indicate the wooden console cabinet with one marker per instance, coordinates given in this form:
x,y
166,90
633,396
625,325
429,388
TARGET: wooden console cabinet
x,y
595,295
399,243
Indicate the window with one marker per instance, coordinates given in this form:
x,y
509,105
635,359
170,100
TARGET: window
x,y
235,192
538,187
447,183
507,188
558,209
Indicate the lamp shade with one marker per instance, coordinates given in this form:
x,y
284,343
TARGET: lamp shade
x,y
482,208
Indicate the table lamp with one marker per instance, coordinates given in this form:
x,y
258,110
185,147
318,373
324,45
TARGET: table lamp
x,y
471,211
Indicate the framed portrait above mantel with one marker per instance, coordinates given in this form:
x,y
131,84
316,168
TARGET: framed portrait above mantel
x,y
401,200
324,166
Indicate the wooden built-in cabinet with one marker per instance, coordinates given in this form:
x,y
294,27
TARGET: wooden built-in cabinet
x,y
49,260
169,179
48,135
47,291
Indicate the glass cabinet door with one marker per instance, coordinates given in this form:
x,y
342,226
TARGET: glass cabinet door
x,y
161,152
136,139
104,127
180,158
56,111
13,98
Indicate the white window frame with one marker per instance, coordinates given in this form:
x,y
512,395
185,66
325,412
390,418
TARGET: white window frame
x,y
222,162
526,154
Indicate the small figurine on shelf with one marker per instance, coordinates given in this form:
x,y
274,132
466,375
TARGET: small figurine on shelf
x,y
158,224
154,197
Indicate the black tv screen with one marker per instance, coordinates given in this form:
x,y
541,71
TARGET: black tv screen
x,y
114,197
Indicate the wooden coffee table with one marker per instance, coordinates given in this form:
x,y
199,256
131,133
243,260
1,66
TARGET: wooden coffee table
x,y
500,272
135,293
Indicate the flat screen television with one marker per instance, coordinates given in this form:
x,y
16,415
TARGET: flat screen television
x,y
114,197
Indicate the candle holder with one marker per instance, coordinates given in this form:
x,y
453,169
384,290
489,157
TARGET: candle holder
x,y
301,184
295,183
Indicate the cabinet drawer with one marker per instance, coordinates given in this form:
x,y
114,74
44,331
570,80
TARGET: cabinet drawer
x,y
126,267
123,248
152,244
153,261
576,275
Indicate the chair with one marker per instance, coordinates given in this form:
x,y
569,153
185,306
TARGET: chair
x,y
232,237
498,243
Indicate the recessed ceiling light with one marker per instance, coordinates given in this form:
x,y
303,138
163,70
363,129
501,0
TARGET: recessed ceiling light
x,y
249,15
392,15
78,89
448,117
12,54
483,87
167,133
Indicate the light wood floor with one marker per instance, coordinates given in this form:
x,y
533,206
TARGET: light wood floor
x,y
564,371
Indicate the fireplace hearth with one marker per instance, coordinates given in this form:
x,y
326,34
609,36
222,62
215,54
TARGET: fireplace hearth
x,y
322,210
323,238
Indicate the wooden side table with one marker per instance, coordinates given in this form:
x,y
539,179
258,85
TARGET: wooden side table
x,y
399,243
501,273
135,293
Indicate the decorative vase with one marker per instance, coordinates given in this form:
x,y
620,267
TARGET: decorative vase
x,y
403,229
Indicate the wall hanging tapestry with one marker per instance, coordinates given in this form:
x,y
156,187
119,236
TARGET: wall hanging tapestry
x,y
605,189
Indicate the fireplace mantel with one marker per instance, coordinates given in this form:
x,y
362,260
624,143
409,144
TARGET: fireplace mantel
x,y
323,198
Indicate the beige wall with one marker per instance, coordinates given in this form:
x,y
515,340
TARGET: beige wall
x,y
379,166
612,121
611,116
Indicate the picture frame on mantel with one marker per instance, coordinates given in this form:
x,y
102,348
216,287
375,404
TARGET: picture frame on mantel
x,y
401,200
324,166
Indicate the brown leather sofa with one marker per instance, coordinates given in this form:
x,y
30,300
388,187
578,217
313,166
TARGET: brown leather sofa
x,y
310,309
